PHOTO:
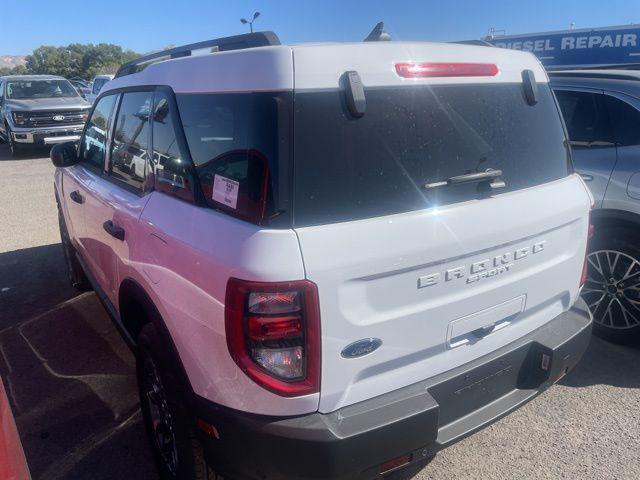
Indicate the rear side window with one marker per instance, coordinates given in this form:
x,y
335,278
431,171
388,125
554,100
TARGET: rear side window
x,y
171,169
349,169
94,142
239,144
586,118
98,84
129,149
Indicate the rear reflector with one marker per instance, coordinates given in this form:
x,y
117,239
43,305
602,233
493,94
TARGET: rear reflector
x,y
395,463
430,70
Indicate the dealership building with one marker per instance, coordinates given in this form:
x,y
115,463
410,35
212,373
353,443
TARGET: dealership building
x,y
580,48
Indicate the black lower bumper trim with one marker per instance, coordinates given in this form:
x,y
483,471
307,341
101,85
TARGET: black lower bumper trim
x,y
419,419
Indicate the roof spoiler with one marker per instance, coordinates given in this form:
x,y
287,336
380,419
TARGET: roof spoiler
x,y
235,42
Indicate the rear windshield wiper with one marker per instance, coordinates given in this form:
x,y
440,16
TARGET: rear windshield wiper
x,y
490,175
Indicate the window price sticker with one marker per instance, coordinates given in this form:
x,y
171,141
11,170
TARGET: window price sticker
x,y
225,191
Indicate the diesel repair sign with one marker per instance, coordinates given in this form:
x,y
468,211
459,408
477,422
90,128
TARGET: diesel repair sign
x,y
606,46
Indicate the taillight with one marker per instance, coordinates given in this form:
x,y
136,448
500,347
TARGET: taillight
x,y
426,70
273,334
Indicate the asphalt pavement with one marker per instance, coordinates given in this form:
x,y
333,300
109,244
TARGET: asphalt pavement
x,y
71,381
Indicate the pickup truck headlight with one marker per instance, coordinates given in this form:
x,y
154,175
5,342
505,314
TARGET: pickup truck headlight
x,y
20,118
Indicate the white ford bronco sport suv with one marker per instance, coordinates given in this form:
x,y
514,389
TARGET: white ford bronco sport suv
x,y
333,260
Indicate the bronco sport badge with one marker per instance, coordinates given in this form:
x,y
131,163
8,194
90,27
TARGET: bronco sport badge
x,y
489,267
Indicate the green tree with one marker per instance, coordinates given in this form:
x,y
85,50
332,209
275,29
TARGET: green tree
x,y
78,60
19,70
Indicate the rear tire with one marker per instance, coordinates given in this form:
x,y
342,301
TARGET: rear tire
x,y
171,427
612,290
76,274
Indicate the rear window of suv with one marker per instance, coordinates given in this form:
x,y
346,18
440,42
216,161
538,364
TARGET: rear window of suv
x,y
262,160
350,169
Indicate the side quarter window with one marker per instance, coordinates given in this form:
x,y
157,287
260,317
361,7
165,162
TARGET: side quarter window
x,y
131,137
173,171
94,142
586,118
625,121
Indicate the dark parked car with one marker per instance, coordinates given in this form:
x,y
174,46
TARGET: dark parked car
x,y
601,109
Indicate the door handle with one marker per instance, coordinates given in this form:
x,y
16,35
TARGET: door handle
x,y
76,197
113,230
586,177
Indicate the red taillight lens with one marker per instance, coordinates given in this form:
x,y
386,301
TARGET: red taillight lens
x,y
426,70
274,328
276,302
273,334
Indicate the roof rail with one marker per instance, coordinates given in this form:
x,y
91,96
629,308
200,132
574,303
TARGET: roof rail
x,y
235,42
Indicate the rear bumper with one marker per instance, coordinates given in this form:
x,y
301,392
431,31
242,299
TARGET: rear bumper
x,y
419,420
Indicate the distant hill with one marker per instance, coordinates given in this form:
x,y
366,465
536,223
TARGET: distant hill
x,y
12,61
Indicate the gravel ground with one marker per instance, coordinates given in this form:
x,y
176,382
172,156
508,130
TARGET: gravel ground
x,y
71,382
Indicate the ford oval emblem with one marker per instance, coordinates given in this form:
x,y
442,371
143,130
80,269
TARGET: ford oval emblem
x,y
58,118
361,347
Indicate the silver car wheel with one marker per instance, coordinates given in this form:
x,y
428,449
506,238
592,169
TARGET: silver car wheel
x,y
612,290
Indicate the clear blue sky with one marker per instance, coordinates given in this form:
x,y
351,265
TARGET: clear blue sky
x,y
144,25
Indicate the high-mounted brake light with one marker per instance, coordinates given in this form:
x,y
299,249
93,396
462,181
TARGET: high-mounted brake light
x,y
430,70
273,334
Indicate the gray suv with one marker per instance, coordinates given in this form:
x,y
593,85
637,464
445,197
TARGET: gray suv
x,y
40,110
601,109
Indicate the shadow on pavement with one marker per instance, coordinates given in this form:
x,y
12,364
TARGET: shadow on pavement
x,y
68,374
606,363
25,154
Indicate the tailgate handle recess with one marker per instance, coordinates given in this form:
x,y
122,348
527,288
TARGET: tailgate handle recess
x,y
474,327
484,331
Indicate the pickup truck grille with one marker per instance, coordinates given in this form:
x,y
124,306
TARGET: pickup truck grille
x,y
55,118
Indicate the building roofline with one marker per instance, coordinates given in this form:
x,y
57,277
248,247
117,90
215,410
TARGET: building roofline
x,y
555,32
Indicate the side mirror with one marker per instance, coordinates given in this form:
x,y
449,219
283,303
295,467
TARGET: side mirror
x,y
64,154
